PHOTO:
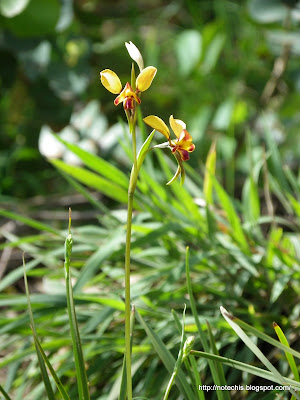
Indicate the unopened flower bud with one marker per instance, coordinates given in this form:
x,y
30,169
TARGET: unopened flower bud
x,y
135,54
187,347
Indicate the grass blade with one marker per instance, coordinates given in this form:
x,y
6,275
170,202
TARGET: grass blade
x,y
57,381
210,169
29,222
83,387
248,342
250,369
110,189
97,164
6,396
226,203
203,339
219,366
290,358
167,359
266,338
42,365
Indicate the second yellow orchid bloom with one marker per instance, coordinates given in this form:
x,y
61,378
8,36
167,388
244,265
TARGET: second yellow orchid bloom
x,y
183,144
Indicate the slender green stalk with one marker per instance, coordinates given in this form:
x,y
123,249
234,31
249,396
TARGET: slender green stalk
x,y
131,189
82,382
127,296
4,393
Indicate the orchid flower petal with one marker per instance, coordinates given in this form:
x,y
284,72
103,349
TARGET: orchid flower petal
x,y
177,125
184,154
111,81
145,78
158,124
135,54
127,93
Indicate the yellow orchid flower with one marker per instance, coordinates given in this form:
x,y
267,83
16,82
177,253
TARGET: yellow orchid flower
x,y
127,96
183,144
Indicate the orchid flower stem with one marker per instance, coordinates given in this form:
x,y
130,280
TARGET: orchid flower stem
x,y
127,296
131,189
134,146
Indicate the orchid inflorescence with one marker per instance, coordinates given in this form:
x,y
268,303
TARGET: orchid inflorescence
x,y
129,96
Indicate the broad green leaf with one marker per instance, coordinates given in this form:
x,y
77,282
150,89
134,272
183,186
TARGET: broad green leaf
x,y
233,218
11,8
268,11
93,180
39,18
212,53
97,164
188,49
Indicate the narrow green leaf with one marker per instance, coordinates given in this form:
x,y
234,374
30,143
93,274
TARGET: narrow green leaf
x,y
192,367
226,203
210,169
276,162
251,200
143,151
266,338
250,369
219,366
93,180
6,396
83,387
57,381
30,222
248,342
290,358
42,365
179,357
97,164
203,339
167,359
113,242
140,159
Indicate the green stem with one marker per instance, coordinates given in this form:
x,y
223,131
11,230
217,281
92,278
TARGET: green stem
x,y
132,185
127,296
170,384
134,146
